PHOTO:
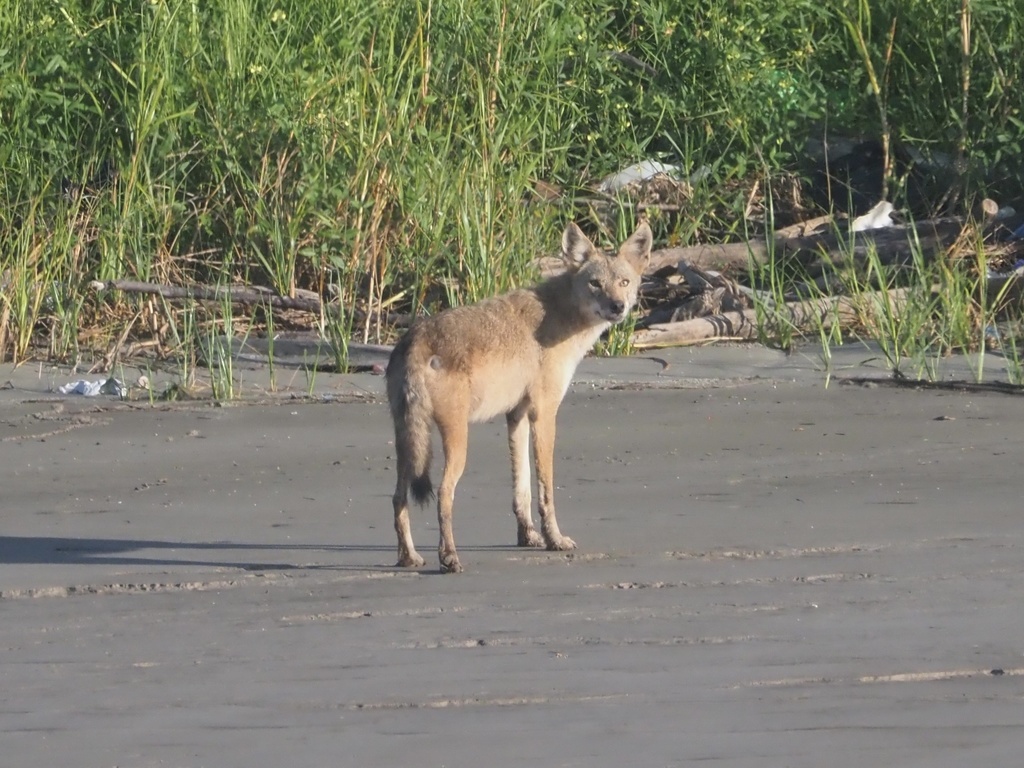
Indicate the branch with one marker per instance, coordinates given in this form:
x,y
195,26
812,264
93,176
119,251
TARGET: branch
x,y
803,316
307,300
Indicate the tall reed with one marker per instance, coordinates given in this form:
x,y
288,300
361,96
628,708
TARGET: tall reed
x,y
392,148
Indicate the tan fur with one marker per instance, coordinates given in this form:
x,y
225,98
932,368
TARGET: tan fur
x,y
513,354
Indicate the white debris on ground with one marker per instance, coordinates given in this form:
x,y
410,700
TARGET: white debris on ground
x,y
638,172
86,388
878,217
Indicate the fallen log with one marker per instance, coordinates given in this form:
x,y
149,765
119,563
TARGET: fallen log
x,y
305,301
749,324
236,294
727,326
894,245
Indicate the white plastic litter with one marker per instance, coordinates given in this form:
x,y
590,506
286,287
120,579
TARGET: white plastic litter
x,y
877,218
638,172
94,388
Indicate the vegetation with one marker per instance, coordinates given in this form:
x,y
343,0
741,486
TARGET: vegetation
x,y
387,153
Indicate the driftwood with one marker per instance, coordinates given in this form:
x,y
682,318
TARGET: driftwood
x,y
304,300
707,293
894,245
803,316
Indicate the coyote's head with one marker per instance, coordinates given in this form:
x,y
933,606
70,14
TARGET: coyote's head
x,y
604,284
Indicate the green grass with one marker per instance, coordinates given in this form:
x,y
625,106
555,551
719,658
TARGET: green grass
x,y
390,148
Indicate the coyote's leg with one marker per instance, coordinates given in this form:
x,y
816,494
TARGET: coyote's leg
x,y
519,449
407,555
454,438
542,422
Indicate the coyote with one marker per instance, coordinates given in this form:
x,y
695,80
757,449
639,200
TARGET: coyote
x,y
513,354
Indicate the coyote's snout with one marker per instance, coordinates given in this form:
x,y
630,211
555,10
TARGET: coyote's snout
x,y
513,354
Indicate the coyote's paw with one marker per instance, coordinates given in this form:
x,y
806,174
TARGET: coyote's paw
x,y
409,560
450,563
530,538
561,544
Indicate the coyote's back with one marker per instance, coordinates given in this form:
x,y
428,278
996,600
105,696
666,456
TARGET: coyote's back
x,y
513,354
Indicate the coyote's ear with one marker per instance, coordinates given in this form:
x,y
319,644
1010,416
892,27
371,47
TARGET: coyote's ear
x,y
576,247
637,250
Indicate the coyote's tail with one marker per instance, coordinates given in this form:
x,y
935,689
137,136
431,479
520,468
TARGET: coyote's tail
x,y
410,410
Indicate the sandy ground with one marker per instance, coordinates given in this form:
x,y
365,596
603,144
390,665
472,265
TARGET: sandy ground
x,y
770,573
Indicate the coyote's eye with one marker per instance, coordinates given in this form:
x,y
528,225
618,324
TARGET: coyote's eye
x,y
624,282
595,283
